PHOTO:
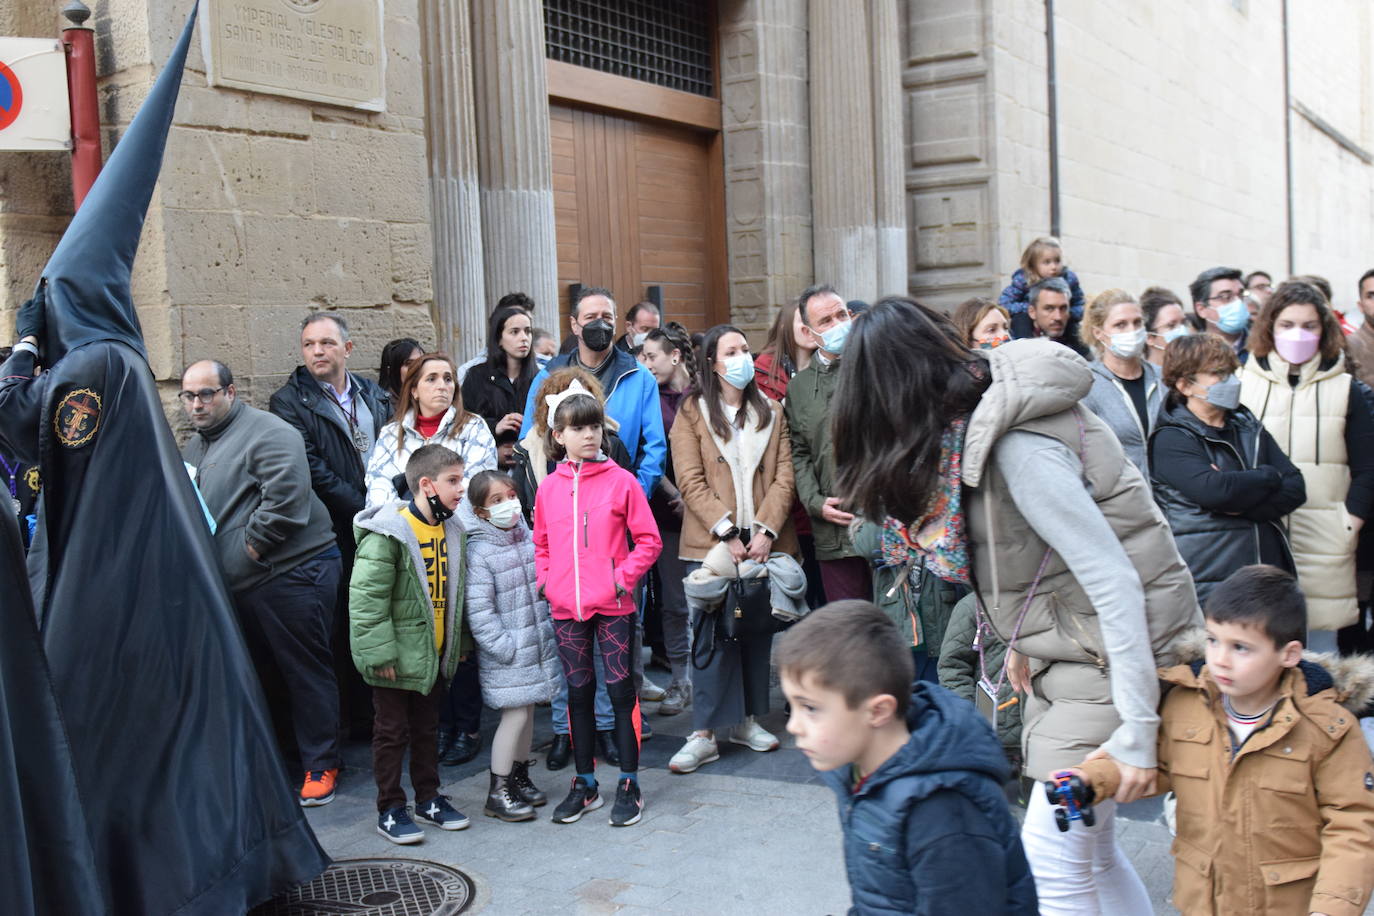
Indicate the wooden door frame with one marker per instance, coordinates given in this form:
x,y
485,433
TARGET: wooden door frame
x,y
583,87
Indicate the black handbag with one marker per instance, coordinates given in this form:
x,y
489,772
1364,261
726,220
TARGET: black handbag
x,y
745,611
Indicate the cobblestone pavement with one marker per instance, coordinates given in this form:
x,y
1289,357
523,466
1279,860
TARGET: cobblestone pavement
x,y
750,833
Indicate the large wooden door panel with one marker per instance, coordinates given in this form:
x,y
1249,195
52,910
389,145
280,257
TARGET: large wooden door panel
x,y
634,208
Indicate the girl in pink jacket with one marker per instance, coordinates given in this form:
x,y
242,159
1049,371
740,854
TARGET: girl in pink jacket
x,y
585,513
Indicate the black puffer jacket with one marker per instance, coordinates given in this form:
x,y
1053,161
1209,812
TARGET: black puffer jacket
x,y
1224,492
337,470
489,393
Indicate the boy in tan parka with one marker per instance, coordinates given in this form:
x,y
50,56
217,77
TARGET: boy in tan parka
x,y
1273,776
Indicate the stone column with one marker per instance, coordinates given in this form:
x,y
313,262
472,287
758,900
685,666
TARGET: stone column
x,y
889,171
767,157
513,154
842,154
459,293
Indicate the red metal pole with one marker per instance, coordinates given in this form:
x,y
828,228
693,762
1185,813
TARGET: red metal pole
x,y
85,104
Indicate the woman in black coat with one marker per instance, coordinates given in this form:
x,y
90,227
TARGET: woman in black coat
x,y
496,390
1221,480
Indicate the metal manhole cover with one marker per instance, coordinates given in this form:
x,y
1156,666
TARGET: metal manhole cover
x,y
377,887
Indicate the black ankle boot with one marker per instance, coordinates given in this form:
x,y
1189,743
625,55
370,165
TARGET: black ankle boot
x,y
520,777
605,743
560,753
504,801
445,741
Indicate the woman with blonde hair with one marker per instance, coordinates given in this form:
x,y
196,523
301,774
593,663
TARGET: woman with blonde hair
x,y
1126,392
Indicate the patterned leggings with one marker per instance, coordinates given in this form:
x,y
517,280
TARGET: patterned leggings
x,y
615,635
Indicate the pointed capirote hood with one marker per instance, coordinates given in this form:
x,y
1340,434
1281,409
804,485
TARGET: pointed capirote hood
x,y
88,276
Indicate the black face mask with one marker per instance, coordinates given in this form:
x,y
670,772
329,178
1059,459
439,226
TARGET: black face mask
x,y
437,508
597,335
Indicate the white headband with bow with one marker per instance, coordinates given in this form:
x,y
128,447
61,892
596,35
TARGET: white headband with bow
x,y
576,389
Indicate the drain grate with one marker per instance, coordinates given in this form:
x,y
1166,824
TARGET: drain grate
x,y
377,887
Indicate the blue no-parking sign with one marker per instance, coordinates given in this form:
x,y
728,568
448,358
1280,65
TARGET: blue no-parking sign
x,y
33,95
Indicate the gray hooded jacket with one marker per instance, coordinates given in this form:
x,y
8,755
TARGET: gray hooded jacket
x,y
517,655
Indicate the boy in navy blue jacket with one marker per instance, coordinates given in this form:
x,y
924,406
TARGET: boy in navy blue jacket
x,y
919,778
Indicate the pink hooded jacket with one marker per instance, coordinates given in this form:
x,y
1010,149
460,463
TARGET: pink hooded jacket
x,y
582,514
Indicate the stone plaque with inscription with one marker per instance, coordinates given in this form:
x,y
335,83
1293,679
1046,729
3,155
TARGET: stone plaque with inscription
x,y
319,50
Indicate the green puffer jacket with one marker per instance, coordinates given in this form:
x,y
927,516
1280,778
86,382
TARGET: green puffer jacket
x,y
390,616
931,604
813,459
959,672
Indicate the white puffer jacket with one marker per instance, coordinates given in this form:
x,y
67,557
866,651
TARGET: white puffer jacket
x,y
1308,422
517,660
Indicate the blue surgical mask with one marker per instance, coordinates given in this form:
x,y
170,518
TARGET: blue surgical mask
x,y
1233,317
542,360
739,370
832,341
1175,333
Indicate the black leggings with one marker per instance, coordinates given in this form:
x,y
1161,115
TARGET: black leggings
x,y
615,635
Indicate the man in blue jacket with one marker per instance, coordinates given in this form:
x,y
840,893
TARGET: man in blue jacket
x,y
631,391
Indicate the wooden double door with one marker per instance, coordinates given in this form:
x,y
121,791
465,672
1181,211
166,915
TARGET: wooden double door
x,y
639,203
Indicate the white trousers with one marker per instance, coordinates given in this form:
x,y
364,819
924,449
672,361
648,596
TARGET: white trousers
x,y
1081,872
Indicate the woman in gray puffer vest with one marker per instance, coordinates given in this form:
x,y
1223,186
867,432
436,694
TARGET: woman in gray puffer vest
x,y
989,472
517,657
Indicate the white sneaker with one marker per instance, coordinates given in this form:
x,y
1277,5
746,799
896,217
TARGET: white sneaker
x,y
753,736
650,692
698,750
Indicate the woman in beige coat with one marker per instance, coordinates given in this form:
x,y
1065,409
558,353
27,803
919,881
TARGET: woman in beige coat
x,y
733,460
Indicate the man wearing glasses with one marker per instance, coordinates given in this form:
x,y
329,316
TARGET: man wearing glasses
x,y
1219,298
278,554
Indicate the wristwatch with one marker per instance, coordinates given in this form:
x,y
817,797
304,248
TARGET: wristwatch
x,y
731,534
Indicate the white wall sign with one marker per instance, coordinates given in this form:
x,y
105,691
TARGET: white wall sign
x,y
318,50
34,114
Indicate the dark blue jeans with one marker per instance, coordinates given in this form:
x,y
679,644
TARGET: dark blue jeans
x,y
287,622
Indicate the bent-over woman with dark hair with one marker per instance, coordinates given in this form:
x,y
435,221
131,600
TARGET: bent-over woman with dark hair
x,y
983,467
1223,482
733,459
496,390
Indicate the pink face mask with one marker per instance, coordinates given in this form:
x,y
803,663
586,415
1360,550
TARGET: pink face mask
x,y
1296,346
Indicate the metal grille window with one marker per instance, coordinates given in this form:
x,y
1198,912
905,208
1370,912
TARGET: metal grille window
x,y
664,42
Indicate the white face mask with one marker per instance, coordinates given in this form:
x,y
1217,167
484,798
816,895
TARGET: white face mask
x,y
505,514
1128,344
637,340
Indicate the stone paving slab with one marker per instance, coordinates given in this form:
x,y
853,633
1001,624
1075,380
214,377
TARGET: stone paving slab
x,y
751,833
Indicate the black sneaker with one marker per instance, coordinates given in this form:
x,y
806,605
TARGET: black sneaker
x,y
441,814
629,804
581,799
395,824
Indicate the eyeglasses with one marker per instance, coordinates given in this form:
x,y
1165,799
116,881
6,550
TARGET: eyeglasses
x,y
1227,297
204,395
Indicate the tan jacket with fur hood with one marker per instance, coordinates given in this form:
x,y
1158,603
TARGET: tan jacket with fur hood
x,y
1287,825
707,470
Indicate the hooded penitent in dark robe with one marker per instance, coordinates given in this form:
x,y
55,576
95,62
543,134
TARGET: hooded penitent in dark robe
x,y
45,861
187,807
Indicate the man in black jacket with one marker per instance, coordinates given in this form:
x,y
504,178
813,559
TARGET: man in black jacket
x,y
339,415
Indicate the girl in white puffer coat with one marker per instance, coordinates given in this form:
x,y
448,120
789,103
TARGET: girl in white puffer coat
x,y
517,655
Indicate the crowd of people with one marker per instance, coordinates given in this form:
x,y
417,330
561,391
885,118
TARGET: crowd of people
x,y
1042,501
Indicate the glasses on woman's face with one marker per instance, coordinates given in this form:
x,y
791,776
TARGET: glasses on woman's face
x,y
204,395
1227,297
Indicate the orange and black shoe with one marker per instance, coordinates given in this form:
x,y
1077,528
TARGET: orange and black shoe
x,y
318,788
